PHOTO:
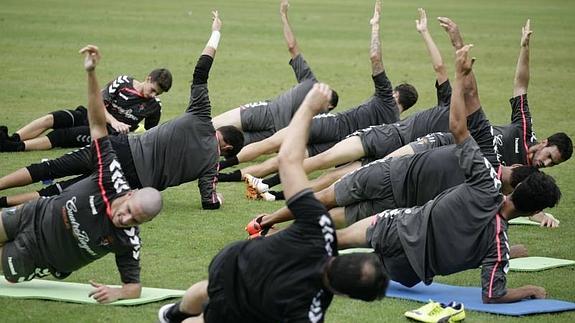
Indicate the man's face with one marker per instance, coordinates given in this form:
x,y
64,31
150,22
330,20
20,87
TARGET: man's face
x,y
151,89
546,156
127,213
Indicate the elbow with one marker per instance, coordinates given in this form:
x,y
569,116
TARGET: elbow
x,y
439,68
375,57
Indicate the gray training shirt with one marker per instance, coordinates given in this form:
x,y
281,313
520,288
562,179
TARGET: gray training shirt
x,y
181,150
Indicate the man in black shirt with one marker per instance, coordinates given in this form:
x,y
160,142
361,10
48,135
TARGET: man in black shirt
x,y
128,102
291,276
181,150
464,227
94,217
327,129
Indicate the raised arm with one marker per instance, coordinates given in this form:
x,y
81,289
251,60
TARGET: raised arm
x,y
453,32
521,80
436,60
292,152
375,48
214,40
457,112
96,108
289,36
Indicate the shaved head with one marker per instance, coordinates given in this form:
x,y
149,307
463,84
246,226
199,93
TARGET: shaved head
x,y
149,200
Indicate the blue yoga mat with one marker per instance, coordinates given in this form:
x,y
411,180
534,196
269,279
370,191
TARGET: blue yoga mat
x,y
471,298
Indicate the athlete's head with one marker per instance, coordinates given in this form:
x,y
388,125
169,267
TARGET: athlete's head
x,y
405,95
231,140
136,207
551,151
157,82
520,173
535,193
333,100
358,275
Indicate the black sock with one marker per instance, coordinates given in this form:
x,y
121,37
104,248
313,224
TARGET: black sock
x,y
235,176
229,162
15,137
278,194
8,145
3,201
175,315
272,181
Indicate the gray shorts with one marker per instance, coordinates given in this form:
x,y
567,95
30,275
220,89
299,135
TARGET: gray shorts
x,y
380,141
257,121
365,191
20,254
325,128
383,237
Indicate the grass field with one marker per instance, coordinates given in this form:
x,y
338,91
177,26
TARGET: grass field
x,y
41,72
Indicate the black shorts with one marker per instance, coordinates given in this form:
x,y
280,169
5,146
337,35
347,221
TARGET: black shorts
x,y
70,118
20,258
365,191
325,128
218,308
383,237
379,141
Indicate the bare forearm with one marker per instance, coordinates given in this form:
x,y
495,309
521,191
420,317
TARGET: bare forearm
x,y
289,37
515,294
436,59
521,81
375,51
129,291
96,109
457,119
279,216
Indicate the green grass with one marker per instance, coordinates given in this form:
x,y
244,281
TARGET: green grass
x,y
42,72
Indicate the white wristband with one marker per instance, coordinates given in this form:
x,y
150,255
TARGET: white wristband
x,y
214,39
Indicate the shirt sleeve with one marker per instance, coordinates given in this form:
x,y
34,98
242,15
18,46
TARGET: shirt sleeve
x,y
128,264
109,175
495,266
207,183
313,219
383,88
479,174
301,69
153,119
199,103
443,91
521,118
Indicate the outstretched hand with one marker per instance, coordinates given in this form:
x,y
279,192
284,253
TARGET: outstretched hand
x,y
317,99
463,62
376,13
421,23
526,33
91,57
217,22
452,30
103,293
284,5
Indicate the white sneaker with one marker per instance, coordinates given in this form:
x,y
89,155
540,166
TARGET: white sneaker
x,y
162,313
256,183
267,196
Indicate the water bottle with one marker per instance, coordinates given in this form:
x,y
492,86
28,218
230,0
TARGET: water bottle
x,y
49,181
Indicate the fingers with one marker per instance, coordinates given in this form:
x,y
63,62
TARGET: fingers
x,y
215,14
89,49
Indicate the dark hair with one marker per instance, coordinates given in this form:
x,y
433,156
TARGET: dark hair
x,y
563,143
234,137
407,95
334,99
162,77
358,275
537,192
519,173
